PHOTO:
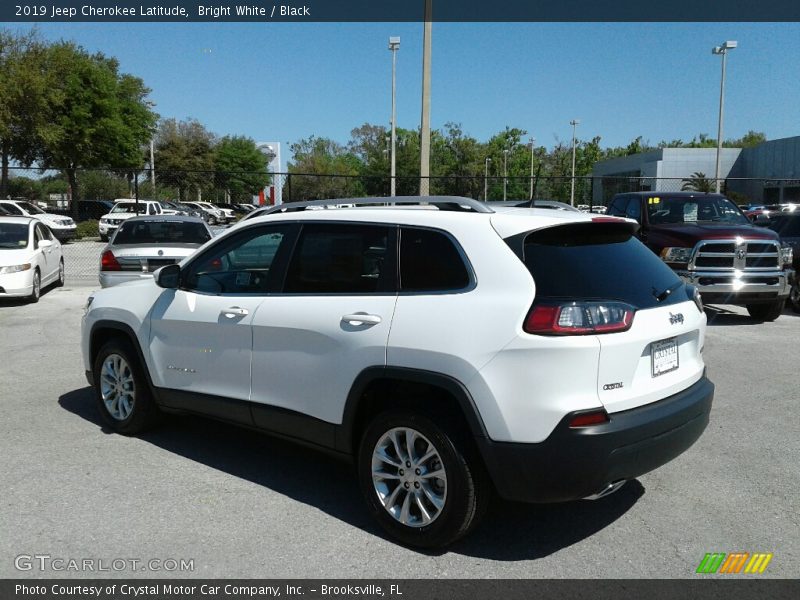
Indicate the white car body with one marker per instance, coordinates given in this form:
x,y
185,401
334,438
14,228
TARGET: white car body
x,y
41,254
306,355
63,228
110,222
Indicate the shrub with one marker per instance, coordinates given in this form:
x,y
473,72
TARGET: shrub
x,y
87,229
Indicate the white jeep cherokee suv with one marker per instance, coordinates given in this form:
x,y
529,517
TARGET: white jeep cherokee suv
x,y
447,350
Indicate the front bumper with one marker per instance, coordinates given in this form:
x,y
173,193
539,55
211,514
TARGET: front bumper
x,y
106,228
15,285
64,235
740,287
576,463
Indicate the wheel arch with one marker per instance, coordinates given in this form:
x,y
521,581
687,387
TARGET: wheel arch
x,y
105,330
378,388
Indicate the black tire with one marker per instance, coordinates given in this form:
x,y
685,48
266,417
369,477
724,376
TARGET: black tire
x,y
61,275
467,491
103,238
212,221
794,295
143,412
766,312
36,291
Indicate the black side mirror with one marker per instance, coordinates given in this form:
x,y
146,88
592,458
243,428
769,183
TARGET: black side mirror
x,y
168,277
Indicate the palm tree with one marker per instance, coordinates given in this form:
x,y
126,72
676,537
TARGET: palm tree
x,y
698,182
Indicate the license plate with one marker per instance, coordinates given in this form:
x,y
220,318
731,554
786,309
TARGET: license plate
x,y
663,356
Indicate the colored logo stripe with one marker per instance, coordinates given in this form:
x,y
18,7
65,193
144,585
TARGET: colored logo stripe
x,y
711,562
759,562
734,562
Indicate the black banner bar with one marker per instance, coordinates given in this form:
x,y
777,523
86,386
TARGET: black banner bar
x,y
267,11
727,588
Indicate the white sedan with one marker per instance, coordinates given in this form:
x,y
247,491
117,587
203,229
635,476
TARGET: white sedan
x,y
30,258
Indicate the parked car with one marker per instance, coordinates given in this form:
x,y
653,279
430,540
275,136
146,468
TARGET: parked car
x,y
63,228
787,226
554,204
244,208
447,352
124,210
230,210
143,244
213,216
30,258
93,209
707,240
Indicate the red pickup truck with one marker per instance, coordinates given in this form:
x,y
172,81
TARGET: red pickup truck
x,y
709,242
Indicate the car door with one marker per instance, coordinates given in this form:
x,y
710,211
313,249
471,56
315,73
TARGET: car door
x,y
200,333
330,322
47,263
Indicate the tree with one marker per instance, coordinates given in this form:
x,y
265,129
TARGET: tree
x,y
184,156
97,117
698,182
240,168
322,168
23,112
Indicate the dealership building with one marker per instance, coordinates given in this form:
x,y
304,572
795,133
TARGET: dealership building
x,y
768,173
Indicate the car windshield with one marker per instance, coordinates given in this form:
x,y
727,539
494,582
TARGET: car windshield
x,y
13,236
129,207
31,209
162,232
693,209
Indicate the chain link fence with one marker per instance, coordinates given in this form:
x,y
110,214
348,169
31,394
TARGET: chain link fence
x,y
53,192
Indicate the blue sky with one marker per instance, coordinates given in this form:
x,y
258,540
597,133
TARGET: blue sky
x,y
283,82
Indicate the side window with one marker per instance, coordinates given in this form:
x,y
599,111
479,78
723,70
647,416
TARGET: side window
x,y
430,262
46,233
634,208
617,206
37,235
242,265
341,259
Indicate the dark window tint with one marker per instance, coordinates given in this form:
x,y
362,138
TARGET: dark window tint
x,y
634,208
617,206
13,209
429,262
786,226
340,259
598,261
162,232
241,265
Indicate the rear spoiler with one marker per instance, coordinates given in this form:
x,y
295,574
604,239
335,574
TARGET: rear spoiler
x,y
600,230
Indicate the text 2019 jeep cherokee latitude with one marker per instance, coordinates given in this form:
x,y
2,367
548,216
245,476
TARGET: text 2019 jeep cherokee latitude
x,y
447,349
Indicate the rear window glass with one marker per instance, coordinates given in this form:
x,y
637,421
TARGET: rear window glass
x,y
430,262
598,261
162,232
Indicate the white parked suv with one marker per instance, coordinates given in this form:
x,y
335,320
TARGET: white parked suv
x,y
63,228
447,350
123,210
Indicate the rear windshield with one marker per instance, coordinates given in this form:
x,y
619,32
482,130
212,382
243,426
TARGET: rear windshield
x,y
601,261
162,232
786,226
13,236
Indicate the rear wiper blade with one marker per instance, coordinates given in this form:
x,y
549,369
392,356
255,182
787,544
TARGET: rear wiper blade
x,y
660,297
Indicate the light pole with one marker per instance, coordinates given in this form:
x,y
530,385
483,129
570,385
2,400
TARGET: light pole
x,y
152,169
723,50
530,194
486,180
574,123
394,46
425,124
505,172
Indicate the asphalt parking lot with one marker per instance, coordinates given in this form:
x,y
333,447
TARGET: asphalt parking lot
x,y
244,505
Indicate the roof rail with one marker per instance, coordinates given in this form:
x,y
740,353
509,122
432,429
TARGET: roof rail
x,y
449,203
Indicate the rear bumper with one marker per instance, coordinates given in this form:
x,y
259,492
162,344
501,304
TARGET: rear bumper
x,y
746,287
112,278
575,463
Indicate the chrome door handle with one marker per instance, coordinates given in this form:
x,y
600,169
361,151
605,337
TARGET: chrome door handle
x,y
235,311
361,319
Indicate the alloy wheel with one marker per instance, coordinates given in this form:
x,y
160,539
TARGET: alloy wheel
x,y
409,477
117,387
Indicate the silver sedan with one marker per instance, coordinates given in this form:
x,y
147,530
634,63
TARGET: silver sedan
x,y
143,244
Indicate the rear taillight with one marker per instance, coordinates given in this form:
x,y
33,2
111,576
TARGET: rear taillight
x,y
108,262
579,318
596,417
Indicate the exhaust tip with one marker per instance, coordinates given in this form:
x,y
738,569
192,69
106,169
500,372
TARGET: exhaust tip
x,y
608,490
